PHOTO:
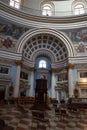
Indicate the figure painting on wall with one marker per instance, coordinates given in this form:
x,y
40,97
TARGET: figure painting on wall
x,y
4,70
7,42
81,47
77,35
12,30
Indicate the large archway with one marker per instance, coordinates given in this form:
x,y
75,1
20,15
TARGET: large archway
x,y
47,42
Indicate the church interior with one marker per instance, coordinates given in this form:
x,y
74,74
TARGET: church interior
x,y
43,65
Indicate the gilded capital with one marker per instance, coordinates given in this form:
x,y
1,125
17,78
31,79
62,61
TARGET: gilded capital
x,y
32,68
53,69
70,66
18,62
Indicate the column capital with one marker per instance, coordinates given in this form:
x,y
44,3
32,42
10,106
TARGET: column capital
x,y
18,62
32,69
53,70
70,66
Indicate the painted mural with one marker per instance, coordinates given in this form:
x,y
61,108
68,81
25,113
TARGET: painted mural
x,y
9,34
78,38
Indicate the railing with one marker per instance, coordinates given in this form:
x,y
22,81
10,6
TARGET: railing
x,y
39,12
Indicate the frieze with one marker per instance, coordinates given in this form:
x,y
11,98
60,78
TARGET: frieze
x,y
80,66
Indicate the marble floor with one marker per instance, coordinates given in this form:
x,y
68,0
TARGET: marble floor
x,y
23,120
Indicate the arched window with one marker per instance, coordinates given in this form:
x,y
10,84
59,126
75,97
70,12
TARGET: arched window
x,y
79,9
42,64
15,3
78,6
46,10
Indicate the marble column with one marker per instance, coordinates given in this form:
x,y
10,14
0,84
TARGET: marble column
x,y
53,84
17,79
31,91
70,80
57,94
7,92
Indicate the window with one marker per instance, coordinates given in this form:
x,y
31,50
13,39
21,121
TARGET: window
x,y
15,3
42,64
79,9
78,6
47,10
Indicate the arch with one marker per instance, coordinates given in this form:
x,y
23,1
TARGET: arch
x,y
26,36
77,3
49,5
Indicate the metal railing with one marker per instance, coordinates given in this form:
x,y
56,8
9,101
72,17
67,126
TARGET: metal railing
x,y
39,12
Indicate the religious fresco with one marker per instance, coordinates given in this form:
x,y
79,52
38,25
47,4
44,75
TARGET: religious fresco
x,y
12,30
9,34
7,43
78,38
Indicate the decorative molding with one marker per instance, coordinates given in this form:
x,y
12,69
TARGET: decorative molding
x,y
39,21
19,62
81,66
70,66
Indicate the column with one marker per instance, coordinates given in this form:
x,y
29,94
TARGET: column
x,y
70,80
53,84
31,92
17,79
57,93
6,91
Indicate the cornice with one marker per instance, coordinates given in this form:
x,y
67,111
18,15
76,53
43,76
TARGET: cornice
x,y
42,21
78,60
10,55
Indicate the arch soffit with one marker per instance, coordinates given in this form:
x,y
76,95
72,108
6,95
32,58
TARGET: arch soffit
x,y
26,36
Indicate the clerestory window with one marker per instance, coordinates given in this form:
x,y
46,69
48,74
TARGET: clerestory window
x,y
46,10
15,3
79,9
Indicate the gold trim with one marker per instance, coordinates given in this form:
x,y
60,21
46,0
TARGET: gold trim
x,y
18,62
